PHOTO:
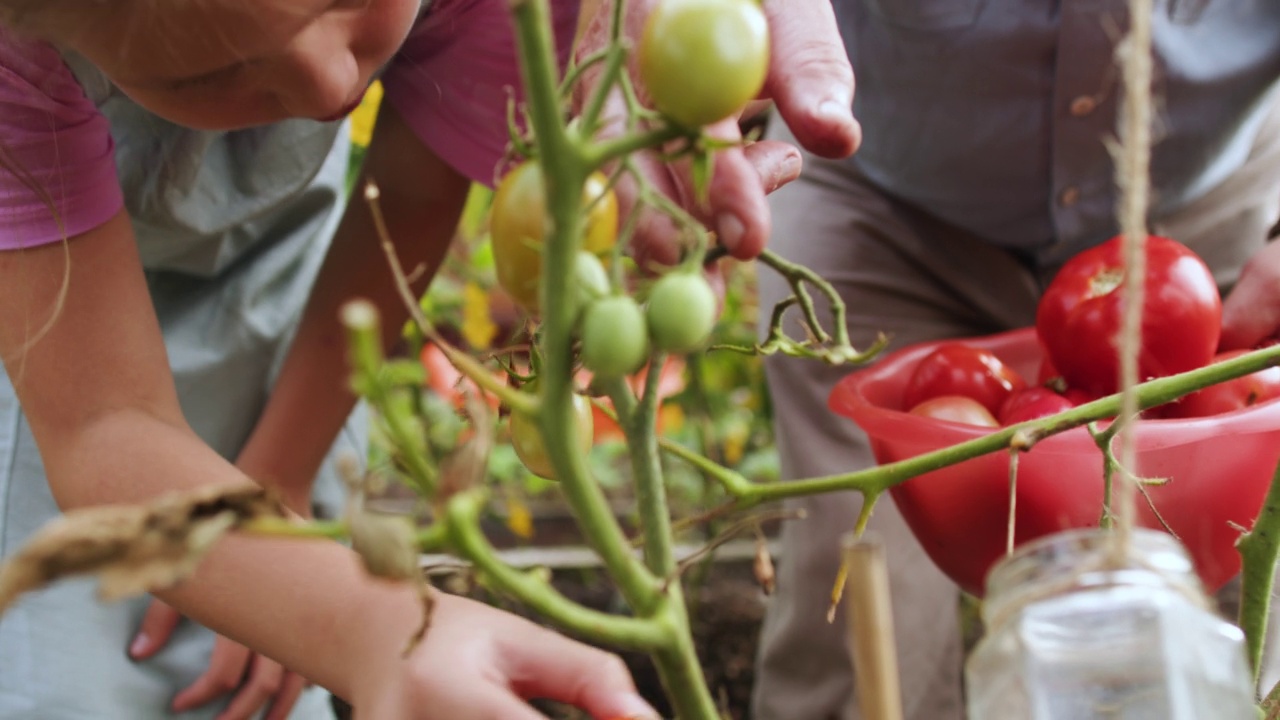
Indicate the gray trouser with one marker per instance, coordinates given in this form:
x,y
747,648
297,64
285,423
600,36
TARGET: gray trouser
x,y
902,272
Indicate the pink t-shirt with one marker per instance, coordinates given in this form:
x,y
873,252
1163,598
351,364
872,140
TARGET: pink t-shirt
x,y
450,82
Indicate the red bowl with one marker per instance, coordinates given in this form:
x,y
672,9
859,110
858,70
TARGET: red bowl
x,y
1218,468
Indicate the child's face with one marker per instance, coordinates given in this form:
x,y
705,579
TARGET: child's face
x,y
229,64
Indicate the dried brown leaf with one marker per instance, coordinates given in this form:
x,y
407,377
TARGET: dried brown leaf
x,y
132,548
762,566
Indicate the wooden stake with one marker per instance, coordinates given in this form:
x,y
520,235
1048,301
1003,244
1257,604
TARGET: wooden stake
x,y
871,637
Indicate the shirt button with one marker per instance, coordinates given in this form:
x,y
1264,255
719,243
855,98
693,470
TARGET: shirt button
x,y
1068,197
1083,105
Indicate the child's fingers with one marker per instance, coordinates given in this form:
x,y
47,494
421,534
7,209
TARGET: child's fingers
x,y
553,667
257,691
225,673
290,690
157,626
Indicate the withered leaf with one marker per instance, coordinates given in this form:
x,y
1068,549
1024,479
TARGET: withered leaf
x,y
762,567
133,548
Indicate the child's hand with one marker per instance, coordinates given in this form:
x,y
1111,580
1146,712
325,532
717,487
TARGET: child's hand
x,y
254,681
479,663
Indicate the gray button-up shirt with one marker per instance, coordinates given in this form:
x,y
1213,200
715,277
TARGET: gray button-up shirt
x,y
995,115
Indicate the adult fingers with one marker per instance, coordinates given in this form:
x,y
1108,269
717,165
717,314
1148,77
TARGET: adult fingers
x,y
810,78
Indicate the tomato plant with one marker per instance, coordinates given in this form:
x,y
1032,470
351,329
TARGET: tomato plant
x,y
526,438
1235,394
1079,316
681,312
1031,403
957,409
446,381
518,226
702,60
960,369
614,339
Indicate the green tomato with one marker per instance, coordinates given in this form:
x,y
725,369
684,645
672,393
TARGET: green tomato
x,y
681,312
518,226
591,280
701,61
614,339
526,438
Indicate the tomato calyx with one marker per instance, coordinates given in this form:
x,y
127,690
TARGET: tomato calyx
x,y
1105,282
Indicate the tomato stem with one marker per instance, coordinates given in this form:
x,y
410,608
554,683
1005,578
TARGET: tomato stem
x,y
565,175
463,521
1259,548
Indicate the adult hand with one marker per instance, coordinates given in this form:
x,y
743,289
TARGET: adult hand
x,y
253,681
1251,312
810,82
479,663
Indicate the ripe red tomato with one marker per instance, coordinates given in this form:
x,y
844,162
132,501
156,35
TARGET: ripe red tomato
x,y
1079,316
1235,394
957,409
960,369
1032,403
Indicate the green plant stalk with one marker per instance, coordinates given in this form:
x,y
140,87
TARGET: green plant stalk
x,y
462,514
877,479
302,529
732,481
679,669
610,150
642,444
1259,549
364,337
565,176
614,56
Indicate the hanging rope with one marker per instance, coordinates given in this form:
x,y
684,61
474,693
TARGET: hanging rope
x,y
1133,163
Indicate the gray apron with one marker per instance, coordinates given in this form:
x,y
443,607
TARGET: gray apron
x,y
232,229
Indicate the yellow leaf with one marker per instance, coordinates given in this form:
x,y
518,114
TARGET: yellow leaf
x,y
735,442
477,326
672,417
519,519
365,116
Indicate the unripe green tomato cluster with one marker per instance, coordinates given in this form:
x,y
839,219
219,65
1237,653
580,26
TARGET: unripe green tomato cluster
x,y
701,61
681,312
615,341
618,334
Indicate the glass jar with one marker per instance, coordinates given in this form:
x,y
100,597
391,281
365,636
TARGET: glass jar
x,y
1070,637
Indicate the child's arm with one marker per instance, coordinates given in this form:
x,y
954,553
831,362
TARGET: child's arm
x,y
421,201
100,399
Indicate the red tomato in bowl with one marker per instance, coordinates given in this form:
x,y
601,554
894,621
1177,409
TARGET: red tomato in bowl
x,y
1080,314
959,369
1219,471
1229,396
1032,403
957,409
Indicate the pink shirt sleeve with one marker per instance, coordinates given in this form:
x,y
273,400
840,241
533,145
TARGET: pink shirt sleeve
x,y
60,145
455,73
